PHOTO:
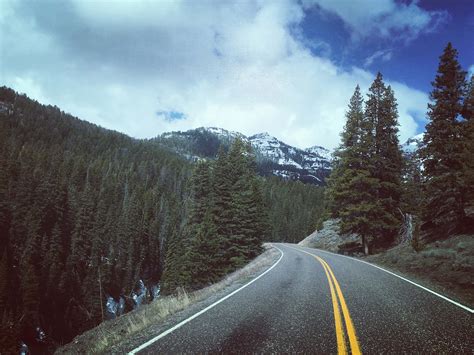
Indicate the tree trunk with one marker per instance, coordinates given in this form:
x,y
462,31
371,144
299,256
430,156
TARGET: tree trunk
x,y
365,245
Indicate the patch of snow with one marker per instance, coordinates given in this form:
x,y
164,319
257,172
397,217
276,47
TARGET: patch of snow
x,y
286,161
139,295
24,349
223,132
155,291
314,177
40,335
413,144
320,152
113,308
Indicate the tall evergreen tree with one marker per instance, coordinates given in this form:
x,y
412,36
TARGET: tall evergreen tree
x,y
4,282
222,186
364,188
468,153
444,199
202,198
388,168
347,159
203,254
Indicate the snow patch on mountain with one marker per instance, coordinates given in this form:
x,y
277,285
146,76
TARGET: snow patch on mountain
x,y
413,144
308,165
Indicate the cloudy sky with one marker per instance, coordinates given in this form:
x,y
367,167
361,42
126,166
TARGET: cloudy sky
x,y
144,67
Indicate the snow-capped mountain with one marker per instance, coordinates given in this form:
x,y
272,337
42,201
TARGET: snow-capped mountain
x,y
309,165
413,144
274,157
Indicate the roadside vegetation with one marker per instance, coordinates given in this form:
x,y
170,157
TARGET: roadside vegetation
x,y
427,196
116,335
446,266
413,212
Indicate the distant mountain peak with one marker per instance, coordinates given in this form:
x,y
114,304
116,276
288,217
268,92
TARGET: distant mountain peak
x,y
320,151
413,144
274,157
263,135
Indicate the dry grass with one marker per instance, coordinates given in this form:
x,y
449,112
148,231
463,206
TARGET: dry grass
x,y
98,340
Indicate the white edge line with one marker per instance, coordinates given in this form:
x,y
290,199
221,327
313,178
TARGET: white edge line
x,y
466,308
187,320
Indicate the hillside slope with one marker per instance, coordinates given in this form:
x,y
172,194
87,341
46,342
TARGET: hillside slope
x,y
86,216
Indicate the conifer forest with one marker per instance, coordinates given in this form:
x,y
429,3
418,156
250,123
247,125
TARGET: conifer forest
x,y
89,215
373,186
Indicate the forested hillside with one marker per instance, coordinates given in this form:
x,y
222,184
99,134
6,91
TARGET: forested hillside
x,y
78,200
86,213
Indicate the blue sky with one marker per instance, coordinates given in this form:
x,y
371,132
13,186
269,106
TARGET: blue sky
x,y
287,67
413,61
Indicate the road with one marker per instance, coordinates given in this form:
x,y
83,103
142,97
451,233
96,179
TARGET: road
x,y
312,301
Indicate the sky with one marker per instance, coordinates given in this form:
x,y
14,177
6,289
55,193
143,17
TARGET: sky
x,y
286,67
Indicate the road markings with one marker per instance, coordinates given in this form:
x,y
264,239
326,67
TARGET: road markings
x,y
338,296
341,343
187,320
466,308
355,348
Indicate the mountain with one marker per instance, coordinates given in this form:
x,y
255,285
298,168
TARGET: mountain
x,y
274,157
413,144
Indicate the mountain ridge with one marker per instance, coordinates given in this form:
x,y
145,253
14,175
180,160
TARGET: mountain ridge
x,y
274,157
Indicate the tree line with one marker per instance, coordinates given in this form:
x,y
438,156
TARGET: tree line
x,y
372,187
87,213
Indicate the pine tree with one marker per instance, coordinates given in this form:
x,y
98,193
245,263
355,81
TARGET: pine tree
x,y
201,193
352,189
347,158
55,258
176,271
4,281
81,236
223,204
205,265
444,200
364,188
468,153
388,169
261,223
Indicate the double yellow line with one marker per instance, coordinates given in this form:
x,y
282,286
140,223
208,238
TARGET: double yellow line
x,y
338,303
338,296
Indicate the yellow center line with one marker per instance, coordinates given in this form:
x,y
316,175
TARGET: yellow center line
x,y
341,343
338,296
355,348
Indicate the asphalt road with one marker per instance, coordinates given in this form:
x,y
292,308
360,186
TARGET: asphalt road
x,y
317,302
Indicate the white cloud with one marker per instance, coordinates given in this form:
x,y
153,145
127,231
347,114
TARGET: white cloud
x,y
470,71
236,66
383,18
383,55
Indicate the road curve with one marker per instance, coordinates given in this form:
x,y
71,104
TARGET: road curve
x,y
317,302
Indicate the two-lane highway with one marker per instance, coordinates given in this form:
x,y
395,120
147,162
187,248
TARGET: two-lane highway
x,y
317,302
